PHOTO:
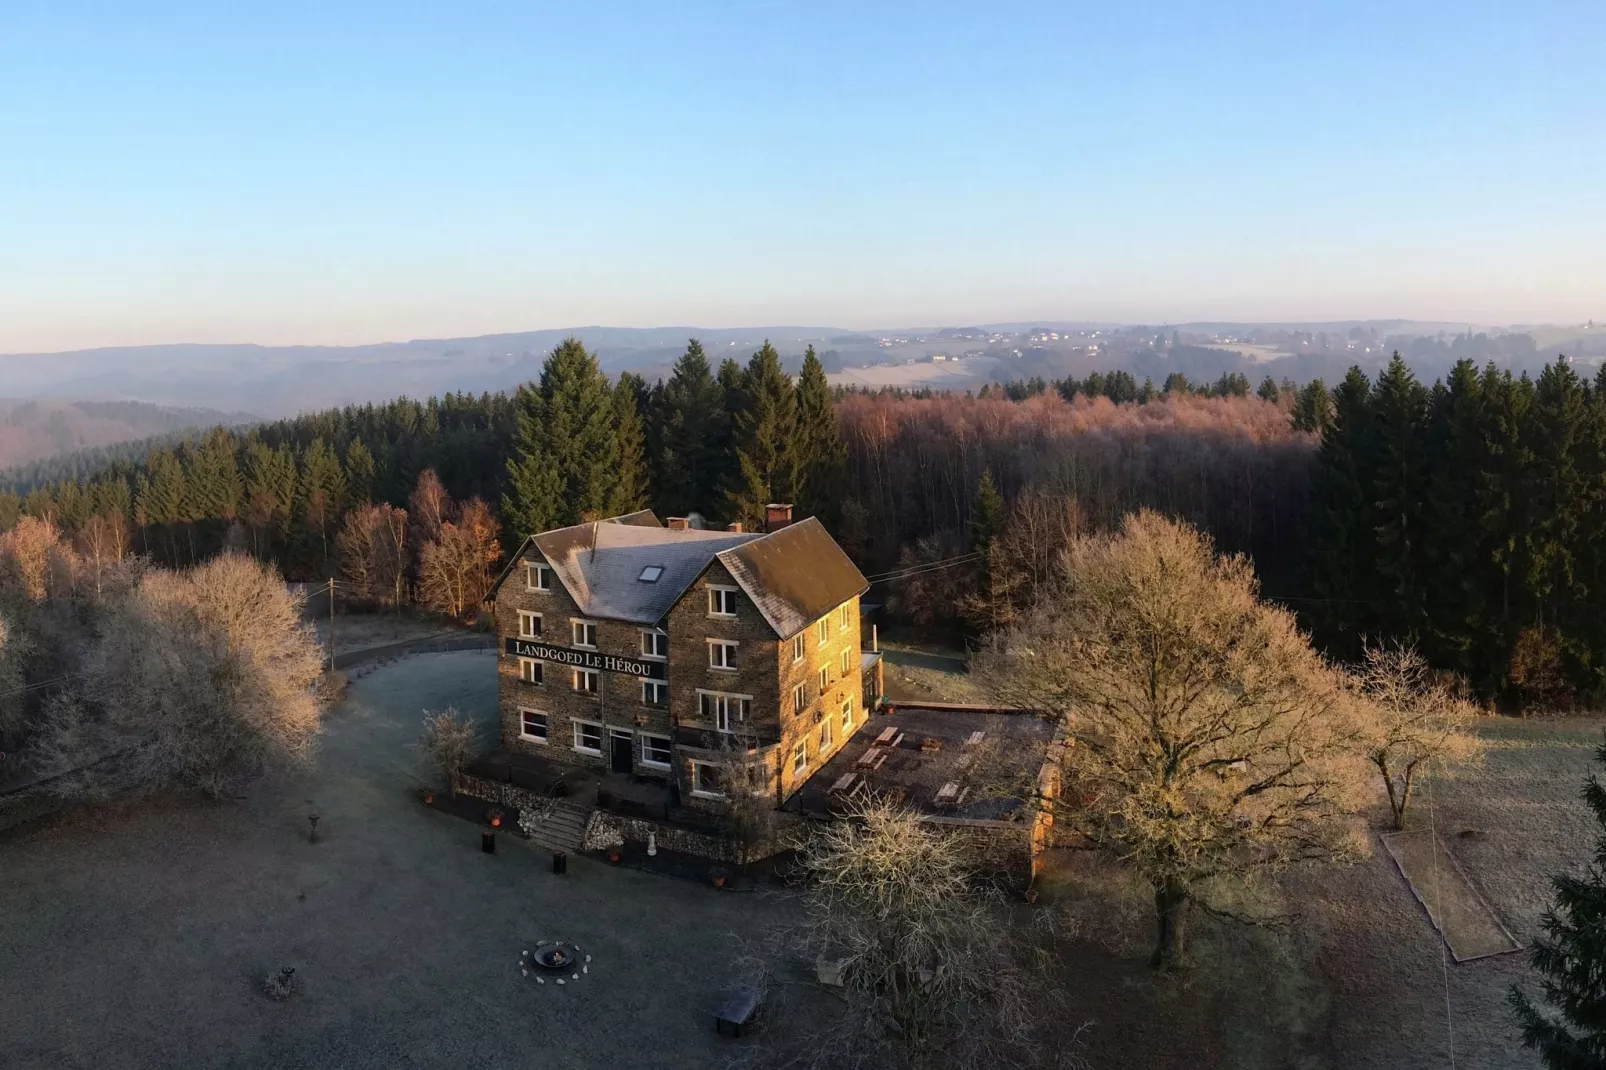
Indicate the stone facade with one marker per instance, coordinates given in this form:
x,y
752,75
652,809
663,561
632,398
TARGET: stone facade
x,y
710,707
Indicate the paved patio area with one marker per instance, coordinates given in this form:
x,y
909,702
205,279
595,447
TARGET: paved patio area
x,y
138,935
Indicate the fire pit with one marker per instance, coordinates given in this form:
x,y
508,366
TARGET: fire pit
x,y
555,958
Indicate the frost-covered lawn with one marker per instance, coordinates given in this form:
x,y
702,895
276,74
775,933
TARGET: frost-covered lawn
x,y
138,935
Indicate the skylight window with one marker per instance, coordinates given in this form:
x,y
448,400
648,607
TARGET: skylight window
x,y
650,574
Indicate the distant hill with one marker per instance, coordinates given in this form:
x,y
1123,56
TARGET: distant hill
x,y
37,429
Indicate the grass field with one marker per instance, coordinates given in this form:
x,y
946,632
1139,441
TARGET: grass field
x,y
1362,979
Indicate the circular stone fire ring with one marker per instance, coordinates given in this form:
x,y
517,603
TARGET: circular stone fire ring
x,y
562,961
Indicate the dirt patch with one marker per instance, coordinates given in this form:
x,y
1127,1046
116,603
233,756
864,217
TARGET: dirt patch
x,y
1456,910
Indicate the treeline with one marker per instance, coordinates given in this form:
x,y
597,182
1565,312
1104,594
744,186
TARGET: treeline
x,y
1469,517
568,446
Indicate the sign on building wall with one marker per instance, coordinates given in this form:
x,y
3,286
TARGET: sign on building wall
x,y
586,659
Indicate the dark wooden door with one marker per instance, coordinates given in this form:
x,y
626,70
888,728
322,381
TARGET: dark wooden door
x,y
621,754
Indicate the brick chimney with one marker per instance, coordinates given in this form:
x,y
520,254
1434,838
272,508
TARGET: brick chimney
x,y
735,525
777,515
677,523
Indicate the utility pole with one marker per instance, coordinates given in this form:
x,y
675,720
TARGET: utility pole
x,y
331,625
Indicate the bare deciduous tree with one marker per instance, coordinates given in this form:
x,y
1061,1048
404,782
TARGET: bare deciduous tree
x,y
1207,741
354,549
933,972
747,782
13,651
199,678
35,561
103,543
430,507
389,568
450,740
454,571
1417,721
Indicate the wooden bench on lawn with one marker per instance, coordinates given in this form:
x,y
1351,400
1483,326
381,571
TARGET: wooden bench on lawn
x,y
844,783
738,1008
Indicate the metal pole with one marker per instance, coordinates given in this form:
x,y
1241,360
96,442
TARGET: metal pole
x,y
331,625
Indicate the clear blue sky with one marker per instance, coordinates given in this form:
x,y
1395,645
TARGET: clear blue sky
x,y
350,171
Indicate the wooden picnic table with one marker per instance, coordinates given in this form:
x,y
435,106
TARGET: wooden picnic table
x,y
737,1009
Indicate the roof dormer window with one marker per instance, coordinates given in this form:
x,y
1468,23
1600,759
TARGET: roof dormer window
x,y
651,573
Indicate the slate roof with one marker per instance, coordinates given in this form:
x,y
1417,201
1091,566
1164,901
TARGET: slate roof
x,y
794,575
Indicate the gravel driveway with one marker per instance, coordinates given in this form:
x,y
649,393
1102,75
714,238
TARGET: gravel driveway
x,y
138,935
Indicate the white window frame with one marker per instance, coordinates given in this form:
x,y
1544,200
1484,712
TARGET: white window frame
x,y
825,679
537,577
528,665
574,730
650,637
800,756
717,596
822,630
847,663
580,626
797,647
825,735
546,726
800,699
575,676
525,617
847,715
668,745
722,708
727,661
842,618
646,682
703,793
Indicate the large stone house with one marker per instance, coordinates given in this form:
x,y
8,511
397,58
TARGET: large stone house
x,y
632,647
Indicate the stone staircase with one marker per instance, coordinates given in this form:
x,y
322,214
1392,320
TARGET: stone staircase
x,y
562,827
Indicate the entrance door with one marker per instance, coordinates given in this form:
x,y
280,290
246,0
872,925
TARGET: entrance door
x,y
622,751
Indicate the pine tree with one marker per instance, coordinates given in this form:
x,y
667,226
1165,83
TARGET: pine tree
x,y
1399,412
823,456
565,461
765,438
1558,430
1342,538
1313,407
987,513
630,488
1457,561
1269,390
212,482
1175,383
360,472
692,428
322,486
1571,960
1503,504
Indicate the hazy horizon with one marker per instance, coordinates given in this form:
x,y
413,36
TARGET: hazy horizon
x,y
190,173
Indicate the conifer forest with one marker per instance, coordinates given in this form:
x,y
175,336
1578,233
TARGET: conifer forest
x,y
1466,515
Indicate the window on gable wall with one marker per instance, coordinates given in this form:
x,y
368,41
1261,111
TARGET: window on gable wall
x,y
797,647
722,601
823,630
537,577
529,625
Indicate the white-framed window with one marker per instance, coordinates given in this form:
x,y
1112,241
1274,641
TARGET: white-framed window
x,y
537,577
723,710
655,751
722,654
707,781
585,633
654,693
654,643
587,737
847,663
530,670
847,714
825,736
585,681
529,625
721,601
800,699
822,630
532,726
797,648
842,617
800,756
825,680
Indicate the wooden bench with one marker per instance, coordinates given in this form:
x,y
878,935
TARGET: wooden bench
x,y
975,739
844,783
874,758
738,1008
885,738
950,795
